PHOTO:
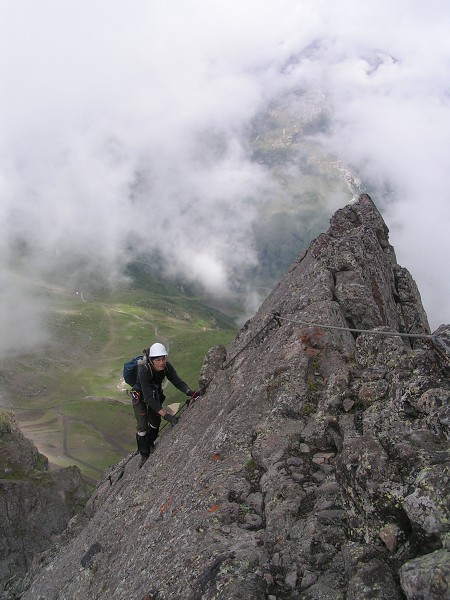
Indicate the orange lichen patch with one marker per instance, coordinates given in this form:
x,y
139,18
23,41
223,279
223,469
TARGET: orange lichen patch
x,y
311,351
214,507
312,338
165,506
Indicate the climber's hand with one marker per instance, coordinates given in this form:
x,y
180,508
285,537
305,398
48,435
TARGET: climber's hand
x,y
172,419
193,396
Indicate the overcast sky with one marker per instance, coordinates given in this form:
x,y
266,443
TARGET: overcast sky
x,y
123,119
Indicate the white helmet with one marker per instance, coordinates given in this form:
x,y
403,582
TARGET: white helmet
x,y
157,350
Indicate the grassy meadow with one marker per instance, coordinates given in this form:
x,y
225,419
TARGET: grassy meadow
x,y
69,397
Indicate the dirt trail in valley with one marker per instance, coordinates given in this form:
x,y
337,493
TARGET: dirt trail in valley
x,y
67,421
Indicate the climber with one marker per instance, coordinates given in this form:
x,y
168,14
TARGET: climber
x,y
148,397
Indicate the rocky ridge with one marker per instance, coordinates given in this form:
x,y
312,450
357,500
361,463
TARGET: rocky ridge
x,y
315,467
36,504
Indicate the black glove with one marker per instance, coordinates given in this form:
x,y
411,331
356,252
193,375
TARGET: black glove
x,y
172,419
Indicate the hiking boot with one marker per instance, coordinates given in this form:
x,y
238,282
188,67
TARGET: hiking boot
x,y
142,460
144,457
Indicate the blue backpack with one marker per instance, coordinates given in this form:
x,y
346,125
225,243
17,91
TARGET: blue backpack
x,y
130,370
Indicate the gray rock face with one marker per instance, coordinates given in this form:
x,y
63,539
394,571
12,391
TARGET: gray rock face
x,y
36,505
315,467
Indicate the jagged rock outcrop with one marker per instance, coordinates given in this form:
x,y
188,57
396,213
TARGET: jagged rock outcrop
x,y
315,467
36,504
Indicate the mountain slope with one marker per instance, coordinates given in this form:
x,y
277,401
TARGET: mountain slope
x,y
317,465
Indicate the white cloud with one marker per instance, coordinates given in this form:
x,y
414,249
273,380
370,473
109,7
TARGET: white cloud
x,y
120,107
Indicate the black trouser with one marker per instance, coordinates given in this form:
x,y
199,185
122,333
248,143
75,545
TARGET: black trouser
x,y
148,422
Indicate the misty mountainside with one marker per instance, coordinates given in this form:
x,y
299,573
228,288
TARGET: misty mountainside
x,y
316,466
62,388
303,184
309,182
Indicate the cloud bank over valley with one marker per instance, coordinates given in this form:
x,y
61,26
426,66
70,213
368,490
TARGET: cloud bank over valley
x,y
153,129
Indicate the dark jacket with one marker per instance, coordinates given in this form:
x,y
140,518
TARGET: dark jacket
x,y
149,381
